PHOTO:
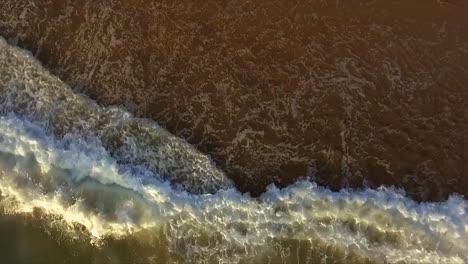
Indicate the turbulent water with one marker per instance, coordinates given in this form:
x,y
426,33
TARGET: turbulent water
x,y
357,93
81,183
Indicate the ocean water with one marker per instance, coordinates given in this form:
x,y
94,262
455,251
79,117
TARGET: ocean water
x,y
81,183
353,93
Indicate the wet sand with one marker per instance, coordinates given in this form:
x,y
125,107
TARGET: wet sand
x,y
355,93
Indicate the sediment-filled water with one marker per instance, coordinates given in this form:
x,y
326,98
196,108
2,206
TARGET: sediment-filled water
x,y
82,183
358,93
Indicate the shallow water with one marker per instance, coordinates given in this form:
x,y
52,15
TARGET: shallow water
x,y
80,182
353,93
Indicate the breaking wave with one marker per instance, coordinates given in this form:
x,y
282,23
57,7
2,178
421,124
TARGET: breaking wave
x,y
96,173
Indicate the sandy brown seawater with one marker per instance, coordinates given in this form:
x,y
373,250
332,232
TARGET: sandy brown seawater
x,y
355,93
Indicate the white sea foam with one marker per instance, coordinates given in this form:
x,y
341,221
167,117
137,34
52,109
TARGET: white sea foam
x,y
27,88
58,153
83,184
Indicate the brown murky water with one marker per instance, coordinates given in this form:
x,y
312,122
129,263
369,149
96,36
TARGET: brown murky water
x,y
355,93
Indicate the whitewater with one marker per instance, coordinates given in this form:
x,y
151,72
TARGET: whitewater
x,y
96,173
